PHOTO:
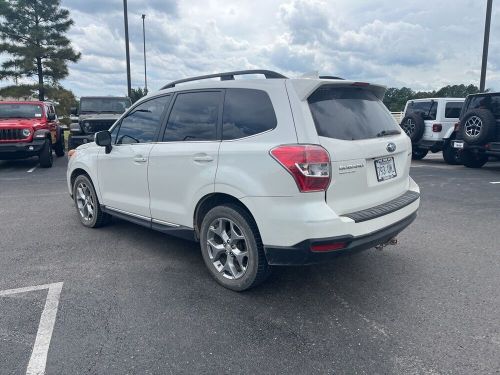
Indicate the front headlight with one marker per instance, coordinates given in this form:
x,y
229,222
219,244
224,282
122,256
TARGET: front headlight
x,y
26,133
75,127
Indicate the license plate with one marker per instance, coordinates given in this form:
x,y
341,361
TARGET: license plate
x,y
458,144
385,169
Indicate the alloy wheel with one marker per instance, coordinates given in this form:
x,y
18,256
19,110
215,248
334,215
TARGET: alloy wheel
x,y
227,248
408,126
473,126
85,201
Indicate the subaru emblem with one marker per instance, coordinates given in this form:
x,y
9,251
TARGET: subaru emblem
x,y
391,147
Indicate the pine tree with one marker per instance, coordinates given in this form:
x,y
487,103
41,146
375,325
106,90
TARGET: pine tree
x,y
33,32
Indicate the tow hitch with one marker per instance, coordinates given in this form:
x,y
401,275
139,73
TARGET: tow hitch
x,y
392,242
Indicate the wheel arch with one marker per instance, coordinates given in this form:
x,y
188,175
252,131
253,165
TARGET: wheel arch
x,y
212,200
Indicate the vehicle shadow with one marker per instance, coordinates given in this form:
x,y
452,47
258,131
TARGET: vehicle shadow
x,y
18,165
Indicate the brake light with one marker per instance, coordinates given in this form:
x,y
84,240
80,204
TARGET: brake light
x,y
436,128
309,165
328,247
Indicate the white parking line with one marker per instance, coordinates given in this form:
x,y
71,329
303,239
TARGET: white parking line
x,y
38,359
495,182
32,169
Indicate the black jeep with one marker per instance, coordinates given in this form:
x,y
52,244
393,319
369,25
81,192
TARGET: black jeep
x,y
479,129
95,113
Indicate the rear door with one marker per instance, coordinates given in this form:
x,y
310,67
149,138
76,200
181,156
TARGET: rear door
x,y
428,110
370,154
183,165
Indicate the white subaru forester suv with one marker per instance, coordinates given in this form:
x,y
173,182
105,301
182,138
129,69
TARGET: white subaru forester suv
x,y
261,172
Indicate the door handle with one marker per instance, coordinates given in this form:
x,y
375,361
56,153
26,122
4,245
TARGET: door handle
x,y
140,159
203,158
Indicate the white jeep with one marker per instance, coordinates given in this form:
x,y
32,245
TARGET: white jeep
x,y
431,125
261,172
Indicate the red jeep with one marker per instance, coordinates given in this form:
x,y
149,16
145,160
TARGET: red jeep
x,y
30,129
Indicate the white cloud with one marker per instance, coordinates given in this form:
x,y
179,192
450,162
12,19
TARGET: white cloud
x,y
423,45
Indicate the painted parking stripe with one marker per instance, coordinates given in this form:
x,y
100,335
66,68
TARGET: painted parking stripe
x,y
32,169
495,182
38,359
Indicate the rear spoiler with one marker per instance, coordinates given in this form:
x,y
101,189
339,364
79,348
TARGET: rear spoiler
x,y
305,87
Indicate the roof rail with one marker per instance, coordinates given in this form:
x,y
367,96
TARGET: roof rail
x,y
330,77
228,76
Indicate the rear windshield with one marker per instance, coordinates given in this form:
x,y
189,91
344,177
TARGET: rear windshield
x,y
490,102
427,109
350,113
20,111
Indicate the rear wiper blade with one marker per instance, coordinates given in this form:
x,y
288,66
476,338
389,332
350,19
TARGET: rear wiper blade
x,y
383,133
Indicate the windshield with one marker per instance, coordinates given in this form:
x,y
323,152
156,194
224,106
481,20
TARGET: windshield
x,y
104,105
20,111
350,113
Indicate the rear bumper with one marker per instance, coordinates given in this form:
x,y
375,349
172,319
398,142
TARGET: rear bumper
x,y
431,145
492,148
301,254
20,150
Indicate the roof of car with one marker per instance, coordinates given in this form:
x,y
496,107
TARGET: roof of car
x,y
485,93
25,102
104,97
442,98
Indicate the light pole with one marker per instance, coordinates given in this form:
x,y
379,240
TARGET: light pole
x,y
144,43
486,42
127,50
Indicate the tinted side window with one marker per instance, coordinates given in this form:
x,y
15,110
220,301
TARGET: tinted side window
x,y
427,109
194,117
452,109
142,124
247,112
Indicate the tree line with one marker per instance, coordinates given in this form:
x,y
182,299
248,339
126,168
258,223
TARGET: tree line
x,y
396,98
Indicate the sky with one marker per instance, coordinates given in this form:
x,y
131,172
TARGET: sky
x,y
420,44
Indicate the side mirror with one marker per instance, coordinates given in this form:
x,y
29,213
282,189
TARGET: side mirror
x,y
103,139
74,111
51,116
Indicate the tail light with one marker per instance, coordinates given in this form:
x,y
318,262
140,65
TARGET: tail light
x,y
457,126
436,128
309,165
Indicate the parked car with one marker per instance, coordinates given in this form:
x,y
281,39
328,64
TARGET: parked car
x,y
430,124
479,129
261,172
95,113
30,128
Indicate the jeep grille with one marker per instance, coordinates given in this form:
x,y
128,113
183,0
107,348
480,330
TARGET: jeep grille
x,y
97,126
11,134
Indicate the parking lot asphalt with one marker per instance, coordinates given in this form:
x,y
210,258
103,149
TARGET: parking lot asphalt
x,y
134,301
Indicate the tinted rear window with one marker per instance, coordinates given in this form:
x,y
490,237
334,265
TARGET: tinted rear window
x,y
452,109
490,102
247,112
427,109
349,113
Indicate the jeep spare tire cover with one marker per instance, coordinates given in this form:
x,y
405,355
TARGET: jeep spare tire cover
x,y
478,126
414,126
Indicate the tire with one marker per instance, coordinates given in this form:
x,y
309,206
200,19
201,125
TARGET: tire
x,y
419,153
451,155
478,126
248,265
59,146
45,157
414,126
85,197
472,159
